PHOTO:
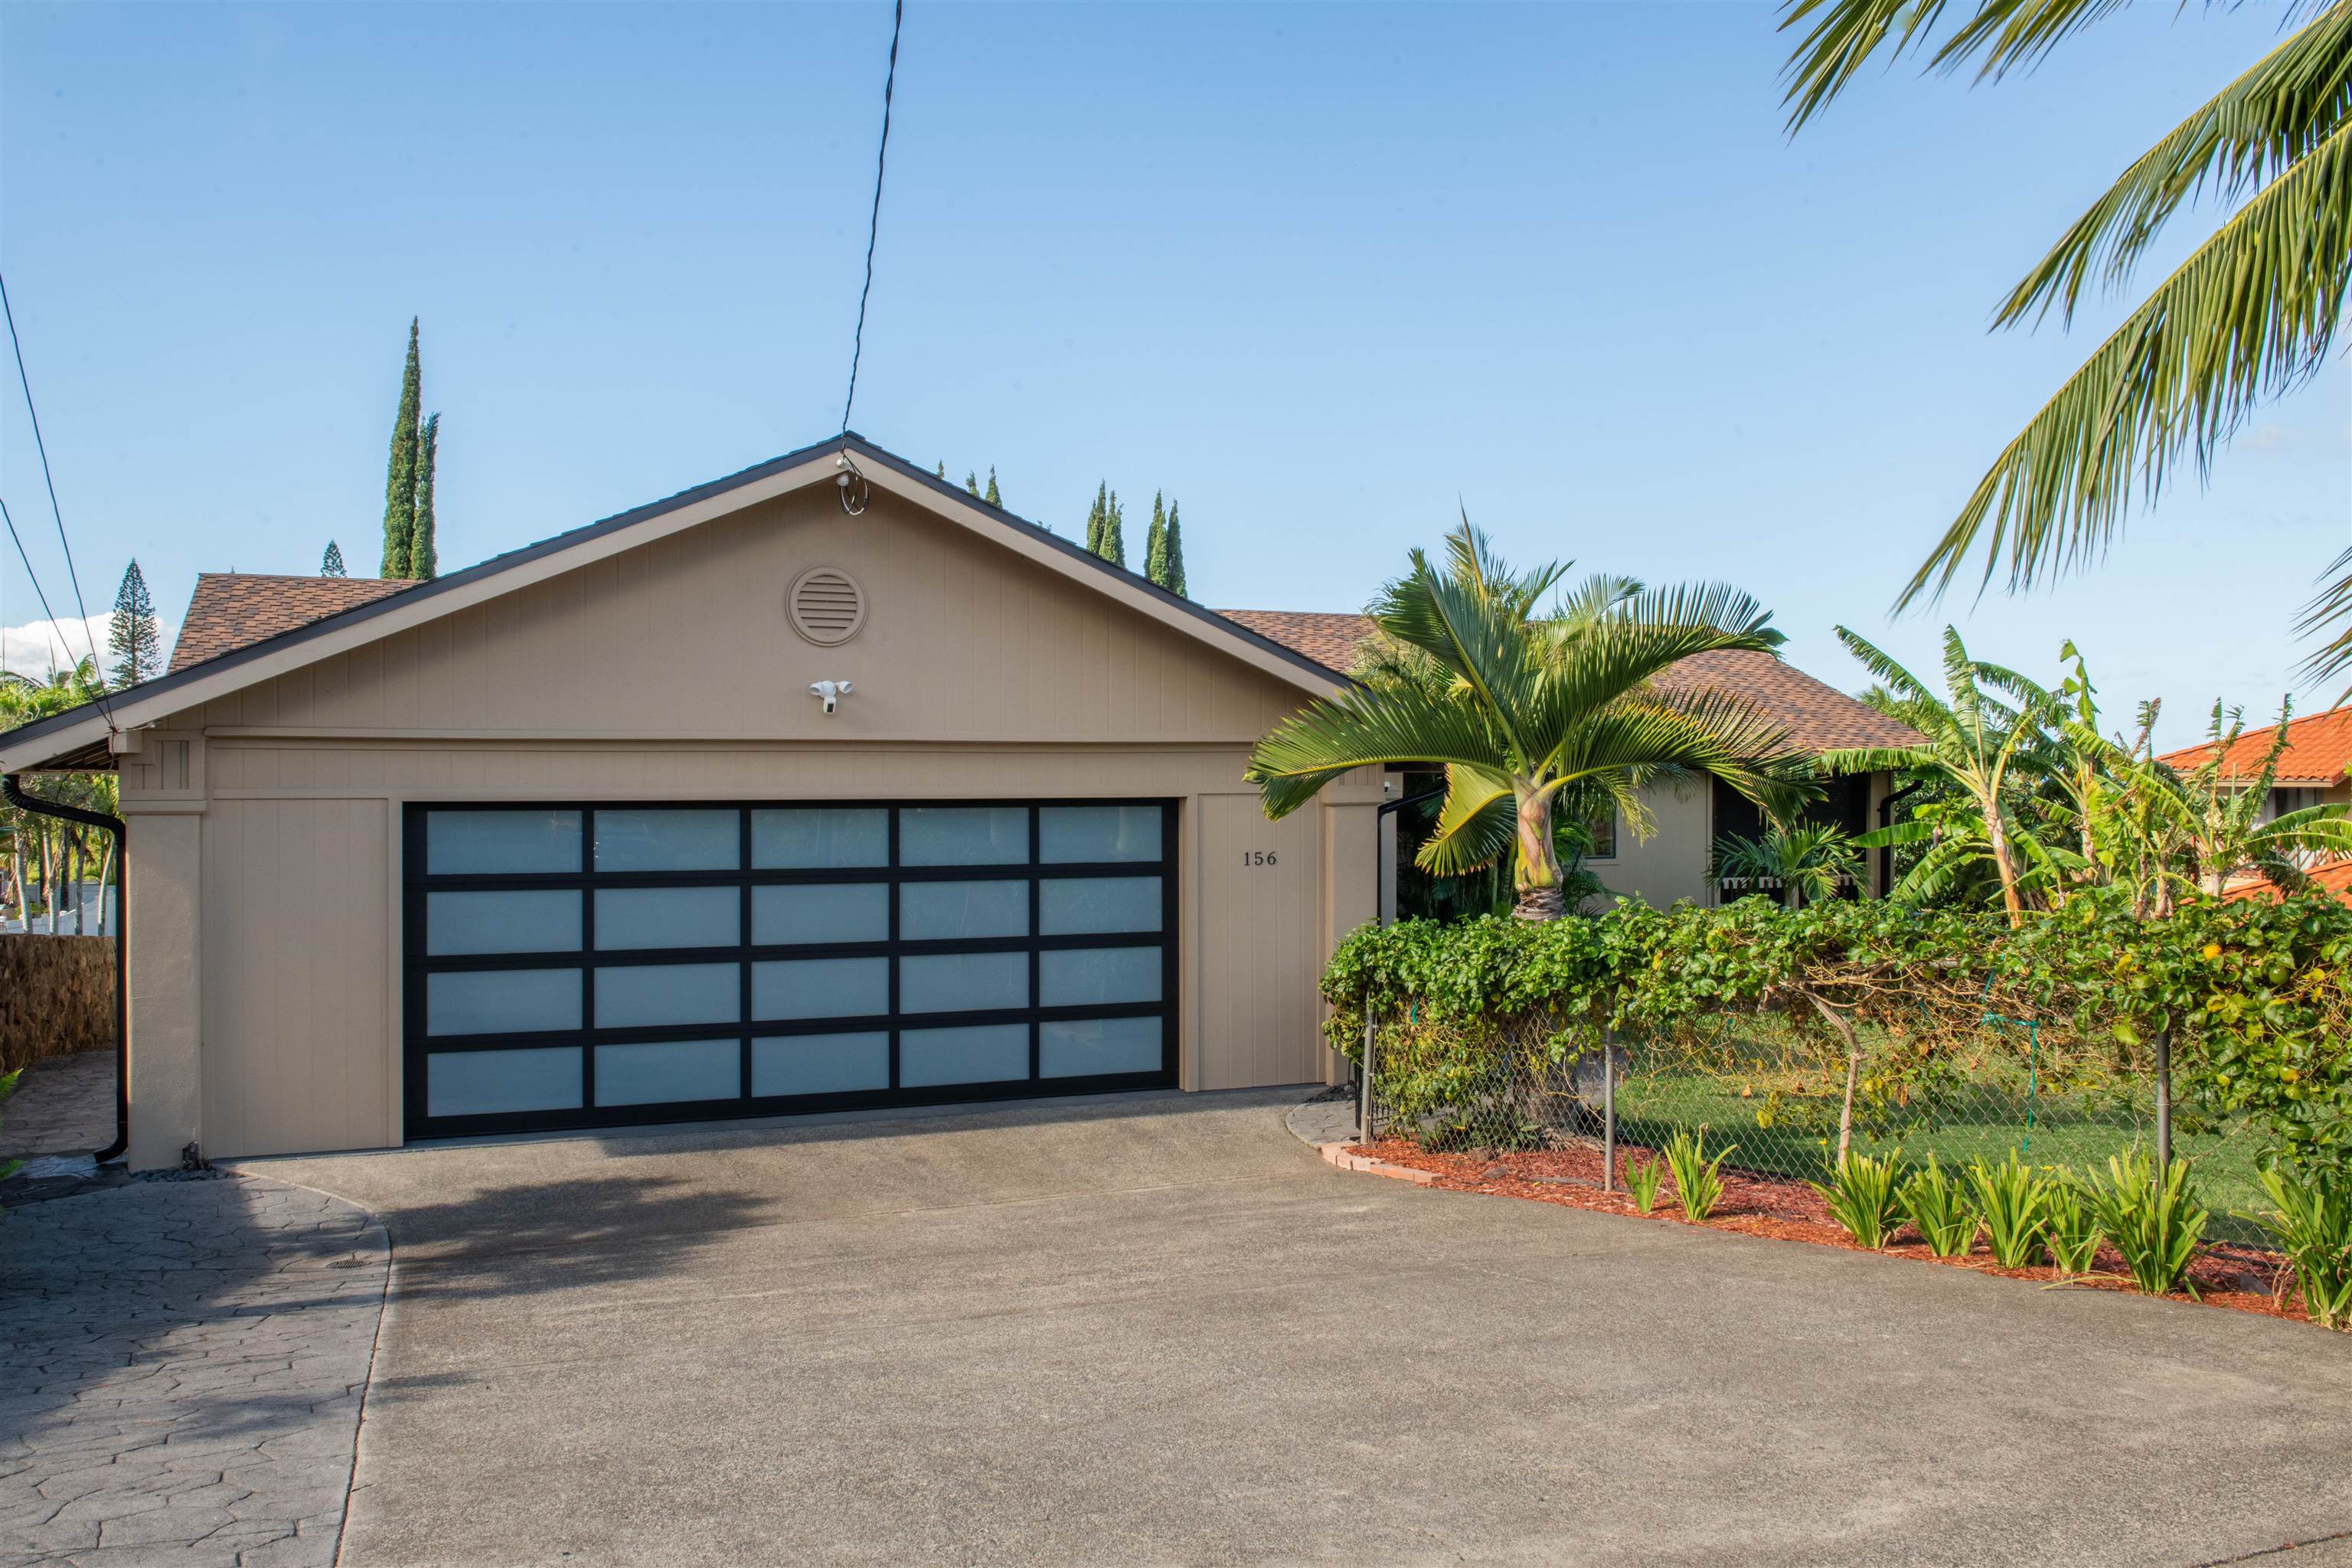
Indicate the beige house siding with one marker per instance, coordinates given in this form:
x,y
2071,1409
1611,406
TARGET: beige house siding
x,y
265,825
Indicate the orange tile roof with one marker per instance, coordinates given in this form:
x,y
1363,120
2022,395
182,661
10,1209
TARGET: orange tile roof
x,y
2318,751
231,610
2336,876
1820,718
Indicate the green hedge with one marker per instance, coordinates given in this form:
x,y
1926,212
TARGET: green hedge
x,y
2256,999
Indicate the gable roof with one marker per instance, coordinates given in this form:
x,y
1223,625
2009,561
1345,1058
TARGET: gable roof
x,y
231,610
1817,715
2318,751
78,735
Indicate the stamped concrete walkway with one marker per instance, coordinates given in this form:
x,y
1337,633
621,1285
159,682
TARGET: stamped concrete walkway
x,y
1166,1332
180,1372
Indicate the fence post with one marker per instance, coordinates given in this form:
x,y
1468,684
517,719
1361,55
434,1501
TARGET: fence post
x,y
1607,1110
1364,1086
2163,1106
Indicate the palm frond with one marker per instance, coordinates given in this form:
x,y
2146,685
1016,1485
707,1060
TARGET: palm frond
x,y
2250,314
1367,729
1477,825
2274,113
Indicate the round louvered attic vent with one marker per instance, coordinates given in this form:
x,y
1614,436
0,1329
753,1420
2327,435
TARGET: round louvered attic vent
x,y
826,605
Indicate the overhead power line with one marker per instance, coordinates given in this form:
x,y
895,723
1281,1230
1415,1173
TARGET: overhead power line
x,y
97,671
874,222
38,592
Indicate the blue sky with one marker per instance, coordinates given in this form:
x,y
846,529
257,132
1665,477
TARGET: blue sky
x,y
1321,272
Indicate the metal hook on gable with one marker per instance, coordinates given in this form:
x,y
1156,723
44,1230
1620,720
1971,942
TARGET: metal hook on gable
x,y
855,491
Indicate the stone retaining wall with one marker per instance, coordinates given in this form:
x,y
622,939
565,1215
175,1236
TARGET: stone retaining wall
x,y
57,996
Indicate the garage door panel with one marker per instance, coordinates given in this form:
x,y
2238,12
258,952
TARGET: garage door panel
x,y
573,965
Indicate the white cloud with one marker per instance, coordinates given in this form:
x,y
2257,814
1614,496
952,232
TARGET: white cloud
x,y
36,648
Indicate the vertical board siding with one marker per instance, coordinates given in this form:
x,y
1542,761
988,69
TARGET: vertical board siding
x,y
1261,935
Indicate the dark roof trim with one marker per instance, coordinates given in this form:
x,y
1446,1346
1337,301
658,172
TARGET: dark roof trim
x,y
855,445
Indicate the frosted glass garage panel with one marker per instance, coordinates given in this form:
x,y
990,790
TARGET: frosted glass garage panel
x,y
673,1071
490,1083
988,1053
636,996
821,988
544,920
964,836
1080,977
1077,1049
1084,906
506,843
820,912
501,1002
963,982
821,1063
1069,833
934,911
804,838
668,917
668,841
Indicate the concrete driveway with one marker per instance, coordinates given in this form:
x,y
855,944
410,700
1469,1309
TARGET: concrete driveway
x,y
1163,1332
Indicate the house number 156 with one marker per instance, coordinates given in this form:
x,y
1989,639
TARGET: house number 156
x,y
1257,856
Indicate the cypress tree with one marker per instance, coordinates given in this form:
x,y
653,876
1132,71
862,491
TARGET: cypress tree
x,y
972,483
1174,580
1097,516
424,553
994,497
331,564
1155,542
400,473
942,471
1114,533
131,636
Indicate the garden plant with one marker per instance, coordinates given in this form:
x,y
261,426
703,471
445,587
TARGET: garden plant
x,y
1642,1177
2152,1219
1862,1197
1698,1182
1936,1204
2071,1235
2015,1205
2311,1221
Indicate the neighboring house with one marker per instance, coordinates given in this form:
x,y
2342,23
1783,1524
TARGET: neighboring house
x,y
2315,769
1673,863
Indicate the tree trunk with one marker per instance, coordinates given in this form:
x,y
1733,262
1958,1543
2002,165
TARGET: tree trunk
x,y
48,879
105,874
1845,1027
1999,834
1538,869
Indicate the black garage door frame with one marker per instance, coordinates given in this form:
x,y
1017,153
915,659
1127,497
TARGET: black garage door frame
x,y
417,965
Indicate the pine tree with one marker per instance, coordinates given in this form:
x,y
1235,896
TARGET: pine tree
x,y
1097,516
400,473
131,636
1155,542
1114,533
1174,580
423,549
994,496
331,564
942,470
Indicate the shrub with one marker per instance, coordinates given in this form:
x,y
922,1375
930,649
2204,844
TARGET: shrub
x,y
1862,1197
2311,1220
2154,1223
1937,1207
2015,1203
1698,1187
2070,1231
1641,1181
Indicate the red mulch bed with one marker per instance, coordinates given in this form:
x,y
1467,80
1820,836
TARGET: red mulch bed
x,y
2227,1274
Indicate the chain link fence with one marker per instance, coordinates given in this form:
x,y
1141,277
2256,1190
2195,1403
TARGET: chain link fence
x,y
1784,1098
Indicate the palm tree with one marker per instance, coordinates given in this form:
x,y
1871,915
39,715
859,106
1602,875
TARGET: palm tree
x,y
2250,314
1808,861
1520,705
1981,734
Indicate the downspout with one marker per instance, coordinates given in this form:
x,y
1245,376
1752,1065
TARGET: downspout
x,y
1886,819
11,790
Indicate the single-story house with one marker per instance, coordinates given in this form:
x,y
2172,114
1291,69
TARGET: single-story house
x,y
2314,768
823,785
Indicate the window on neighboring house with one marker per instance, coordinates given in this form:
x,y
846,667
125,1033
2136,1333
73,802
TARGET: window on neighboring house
x,y
1603,828
2296,797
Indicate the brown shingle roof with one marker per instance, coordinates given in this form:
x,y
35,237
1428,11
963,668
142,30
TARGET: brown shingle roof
x,y
1820,718
231,610
2318,750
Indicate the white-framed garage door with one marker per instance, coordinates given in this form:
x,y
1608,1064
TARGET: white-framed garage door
x,y
594,964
